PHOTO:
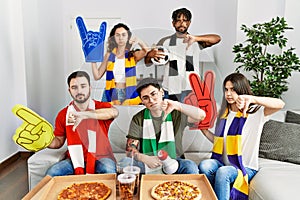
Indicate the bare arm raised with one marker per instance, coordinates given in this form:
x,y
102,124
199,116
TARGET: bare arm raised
x,y
98,72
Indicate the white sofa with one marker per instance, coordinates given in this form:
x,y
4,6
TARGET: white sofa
x,y
275,179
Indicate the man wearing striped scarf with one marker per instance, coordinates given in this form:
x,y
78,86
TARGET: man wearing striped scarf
x,y
234,160
84,123
184,51
160,126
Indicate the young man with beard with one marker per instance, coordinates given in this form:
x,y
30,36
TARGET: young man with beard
x,y
159,126
184,50
84,123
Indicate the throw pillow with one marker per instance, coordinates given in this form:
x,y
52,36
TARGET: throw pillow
x,y
292,117
280,141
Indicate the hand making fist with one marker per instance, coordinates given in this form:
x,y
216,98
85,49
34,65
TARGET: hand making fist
x,y
75,118
168,106
189,39
243,102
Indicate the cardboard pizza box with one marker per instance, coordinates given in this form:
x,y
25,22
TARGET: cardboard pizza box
x,y
49,188
38,190
200,180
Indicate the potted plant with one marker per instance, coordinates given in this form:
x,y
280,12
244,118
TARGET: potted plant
x,y
270,71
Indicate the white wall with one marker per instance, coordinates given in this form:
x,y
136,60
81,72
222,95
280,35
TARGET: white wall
x,y
45,70
292,16
226,23
250,13
12,70
36,52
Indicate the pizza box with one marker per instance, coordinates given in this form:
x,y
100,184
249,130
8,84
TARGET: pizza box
x,y
200,180
49,188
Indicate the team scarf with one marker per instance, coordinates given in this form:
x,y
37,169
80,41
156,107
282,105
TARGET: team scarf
x,y
239,190
166,141
182,63
132,97
87,143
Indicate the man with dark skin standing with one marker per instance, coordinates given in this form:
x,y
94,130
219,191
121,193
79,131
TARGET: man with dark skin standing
x,y
184,50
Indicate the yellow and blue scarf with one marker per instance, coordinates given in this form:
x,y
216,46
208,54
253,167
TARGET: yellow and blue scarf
x,y
239,190
166,140
132,97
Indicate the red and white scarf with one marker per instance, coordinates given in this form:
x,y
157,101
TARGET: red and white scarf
x,y
88,142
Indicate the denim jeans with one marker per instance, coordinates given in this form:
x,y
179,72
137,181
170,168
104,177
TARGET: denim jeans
x,y
65,167
221,177
121,93
185,166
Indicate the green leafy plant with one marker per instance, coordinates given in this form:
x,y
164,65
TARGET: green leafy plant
x,y
270,71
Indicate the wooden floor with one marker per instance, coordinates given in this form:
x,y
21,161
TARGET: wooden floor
x,y
14,178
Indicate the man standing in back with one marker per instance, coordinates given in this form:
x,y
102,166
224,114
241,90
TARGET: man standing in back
x,y
184,50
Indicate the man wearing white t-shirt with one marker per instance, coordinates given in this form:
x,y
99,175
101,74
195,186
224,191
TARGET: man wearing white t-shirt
x,y
184,50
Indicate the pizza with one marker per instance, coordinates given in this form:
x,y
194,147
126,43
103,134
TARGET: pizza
x,y
176,190
86,190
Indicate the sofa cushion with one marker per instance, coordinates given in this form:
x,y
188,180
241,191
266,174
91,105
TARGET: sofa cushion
x,y
292,117
280,141
275,180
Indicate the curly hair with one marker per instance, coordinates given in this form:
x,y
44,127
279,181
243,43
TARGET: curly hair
x,y
182,11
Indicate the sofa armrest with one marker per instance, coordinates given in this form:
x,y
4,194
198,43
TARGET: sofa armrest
x,y
275,180
39,163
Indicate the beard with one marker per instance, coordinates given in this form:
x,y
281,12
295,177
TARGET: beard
x,y
181,30
81,98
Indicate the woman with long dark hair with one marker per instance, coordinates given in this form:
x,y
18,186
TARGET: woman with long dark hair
x,y
119,63
236,140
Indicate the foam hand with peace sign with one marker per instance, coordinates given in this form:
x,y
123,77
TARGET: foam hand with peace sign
x,y
203,97
92,42
35,133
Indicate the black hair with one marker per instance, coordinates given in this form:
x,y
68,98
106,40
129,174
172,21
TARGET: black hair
x,y
181,11
78,74
144,83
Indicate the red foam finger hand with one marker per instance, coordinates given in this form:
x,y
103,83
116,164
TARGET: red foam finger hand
x,y
191,99
204,92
